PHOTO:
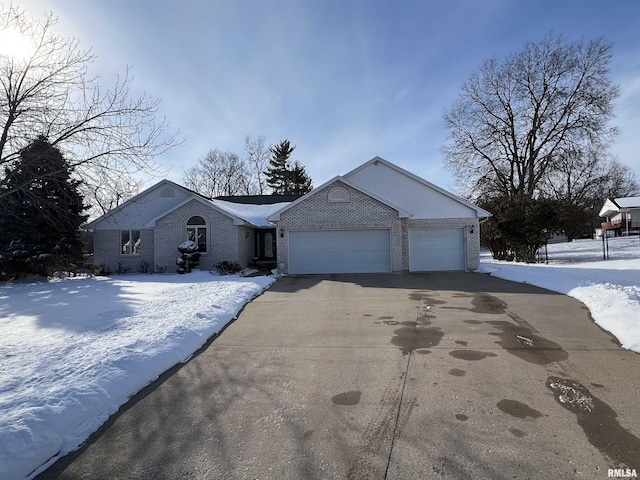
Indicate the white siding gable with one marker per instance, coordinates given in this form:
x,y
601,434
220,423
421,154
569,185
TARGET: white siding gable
x,y
139,211
410,194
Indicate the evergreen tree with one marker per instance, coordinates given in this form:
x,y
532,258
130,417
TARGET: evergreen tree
x,y
278,176
283,177
300,182
40,213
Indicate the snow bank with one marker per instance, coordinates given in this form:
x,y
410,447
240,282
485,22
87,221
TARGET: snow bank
x,y
610,289
73,351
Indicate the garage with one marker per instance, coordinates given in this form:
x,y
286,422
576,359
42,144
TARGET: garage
x,y
432,249
340,251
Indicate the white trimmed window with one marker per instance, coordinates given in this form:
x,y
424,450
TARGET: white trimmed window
x,y
197,232
130,242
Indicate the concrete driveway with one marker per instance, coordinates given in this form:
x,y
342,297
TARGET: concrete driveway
x,y
442,375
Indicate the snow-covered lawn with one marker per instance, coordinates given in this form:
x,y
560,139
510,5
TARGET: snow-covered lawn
x,y
609,288
73,351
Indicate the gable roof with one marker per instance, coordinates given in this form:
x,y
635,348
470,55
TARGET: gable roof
x,y
137,197
242,213
274,217
209,203
617,205
480,212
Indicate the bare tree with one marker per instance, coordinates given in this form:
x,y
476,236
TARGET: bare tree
x,y
109,191
515,117
576,176
219,173
257,155
47,90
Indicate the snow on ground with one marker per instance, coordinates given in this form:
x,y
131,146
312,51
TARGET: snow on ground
x,y
609,288
73,351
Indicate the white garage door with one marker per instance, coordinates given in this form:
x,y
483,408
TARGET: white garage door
x,y
436,249
339,251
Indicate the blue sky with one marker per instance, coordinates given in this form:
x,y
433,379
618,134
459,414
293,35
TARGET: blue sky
x,y
343,80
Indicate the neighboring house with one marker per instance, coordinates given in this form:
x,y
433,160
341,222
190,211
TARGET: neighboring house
x,y
622,214
376,218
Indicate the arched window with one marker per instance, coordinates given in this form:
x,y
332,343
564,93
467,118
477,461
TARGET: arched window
x,y
338,194
197,232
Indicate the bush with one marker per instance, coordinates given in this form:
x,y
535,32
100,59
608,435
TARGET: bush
x,y
101,270
144,267
520,225
226,267
122,268
190,256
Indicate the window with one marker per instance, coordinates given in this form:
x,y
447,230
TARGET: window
x,y
268,245
197,232
130,242
338,195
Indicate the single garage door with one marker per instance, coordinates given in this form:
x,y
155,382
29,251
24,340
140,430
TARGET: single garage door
x,y
436,249
340,251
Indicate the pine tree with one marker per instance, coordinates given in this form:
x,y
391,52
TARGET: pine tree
x,y
41,213
284,178
277,174
300,182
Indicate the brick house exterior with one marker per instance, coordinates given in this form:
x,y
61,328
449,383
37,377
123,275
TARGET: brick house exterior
x,y
376,218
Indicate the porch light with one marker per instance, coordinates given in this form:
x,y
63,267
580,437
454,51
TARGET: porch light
x,y
281,232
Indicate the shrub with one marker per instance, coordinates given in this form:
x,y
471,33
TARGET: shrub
x,y
226,267
190,256
144,266
122,268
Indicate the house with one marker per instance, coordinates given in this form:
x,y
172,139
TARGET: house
x,y
622,214
143,233
376,218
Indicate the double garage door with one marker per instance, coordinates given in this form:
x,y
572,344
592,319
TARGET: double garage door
x,y
369,251
340,251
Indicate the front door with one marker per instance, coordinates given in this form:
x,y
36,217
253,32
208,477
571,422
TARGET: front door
x,y
266,245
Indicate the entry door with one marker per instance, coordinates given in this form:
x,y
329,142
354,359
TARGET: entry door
x,y
266,245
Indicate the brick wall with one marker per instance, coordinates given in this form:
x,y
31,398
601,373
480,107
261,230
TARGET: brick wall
x,y
362,211
222,236
107,251
246,245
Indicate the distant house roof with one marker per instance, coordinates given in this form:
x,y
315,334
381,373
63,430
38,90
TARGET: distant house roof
x,y
617,205
628,202
258,199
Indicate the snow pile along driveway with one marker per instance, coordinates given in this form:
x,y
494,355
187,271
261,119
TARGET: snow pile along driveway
x,y
610,289
74,351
